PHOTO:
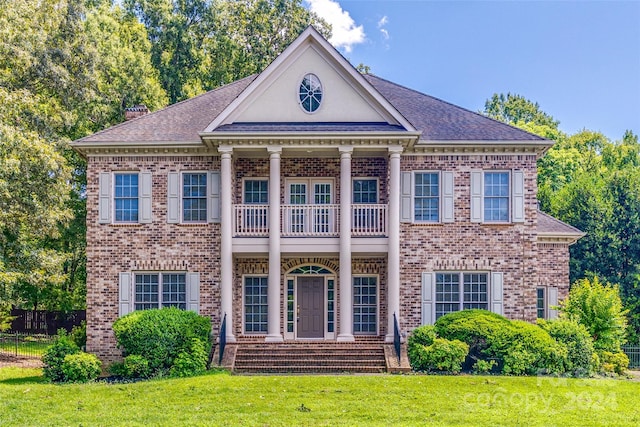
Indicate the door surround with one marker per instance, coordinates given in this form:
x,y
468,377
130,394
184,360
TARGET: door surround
x,y
291,301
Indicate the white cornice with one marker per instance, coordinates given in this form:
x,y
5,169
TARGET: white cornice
x,y
537,147
560,238
148,148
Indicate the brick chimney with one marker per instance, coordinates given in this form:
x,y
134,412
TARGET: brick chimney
x,y
135,111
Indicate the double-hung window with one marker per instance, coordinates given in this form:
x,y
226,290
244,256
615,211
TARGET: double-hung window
x,y
158,290
126,197
497,196
426,197
255,304
541,303
365,305
365,190
194,197
457,291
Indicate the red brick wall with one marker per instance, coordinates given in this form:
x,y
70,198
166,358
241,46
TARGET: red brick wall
x,y
553,267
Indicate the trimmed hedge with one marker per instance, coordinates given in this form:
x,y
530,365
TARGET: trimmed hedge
x,y
427,352
160,337
81,367
580,350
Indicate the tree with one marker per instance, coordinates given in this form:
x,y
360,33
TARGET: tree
x,y
598,307
517,110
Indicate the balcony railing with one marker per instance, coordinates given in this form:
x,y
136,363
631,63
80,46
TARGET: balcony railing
x,y
367,220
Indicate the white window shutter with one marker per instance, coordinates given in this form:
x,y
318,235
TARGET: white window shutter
x,y
517,196
173,197
213,201
477,199
193,292
104,198
406,192
447,197
428,308
125,305
552,301
146,184
497,293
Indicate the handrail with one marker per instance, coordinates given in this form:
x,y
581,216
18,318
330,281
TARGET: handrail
x,y
222,338
396,336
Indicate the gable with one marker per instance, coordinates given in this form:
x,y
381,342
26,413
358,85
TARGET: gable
x,y
274,97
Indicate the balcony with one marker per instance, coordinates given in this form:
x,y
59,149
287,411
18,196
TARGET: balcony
x,y
367,220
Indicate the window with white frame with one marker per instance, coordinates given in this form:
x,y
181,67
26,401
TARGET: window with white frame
x,y
426,197
365,305
541,306
256,191
255,305
158,290
457,291
365,190
125,197
496,196
194,197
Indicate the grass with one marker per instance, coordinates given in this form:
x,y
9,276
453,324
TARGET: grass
x,y
227,400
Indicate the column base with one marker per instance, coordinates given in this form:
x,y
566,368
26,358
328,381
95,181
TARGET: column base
x,y
390,338
345,338
274,338
230,338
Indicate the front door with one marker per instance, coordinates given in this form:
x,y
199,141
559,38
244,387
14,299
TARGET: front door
x,y
310,307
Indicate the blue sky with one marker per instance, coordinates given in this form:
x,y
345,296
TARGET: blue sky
x,y
580,60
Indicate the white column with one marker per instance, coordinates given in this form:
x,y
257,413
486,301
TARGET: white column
x,y
226,244
393,262
346,287
273,290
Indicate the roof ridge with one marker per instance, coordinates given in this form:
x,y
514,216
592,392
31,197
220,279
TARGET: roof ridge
x,y
456,106
168,107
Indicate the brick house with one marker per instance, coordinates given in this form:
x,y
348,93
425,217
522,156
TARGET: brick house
x,y
309,203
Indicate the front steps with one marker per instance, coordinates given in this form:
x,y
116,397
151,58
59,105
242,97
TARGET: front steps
x,y
360,357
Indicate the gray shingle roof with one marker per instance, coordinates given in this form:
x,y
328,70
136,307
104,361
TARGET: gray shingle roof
x,y
550,225
441,121
436,119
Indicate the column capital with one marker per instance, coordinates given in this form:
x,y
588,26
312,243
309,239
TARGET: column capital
x,y
225,149
274,149
345,150
395,151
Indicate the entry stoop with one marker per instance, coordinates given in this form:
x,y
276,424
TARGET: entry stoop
x,y
310,358
393,365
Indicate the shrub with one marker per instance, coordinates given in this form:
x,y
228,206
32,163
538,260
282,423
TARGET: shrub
x,y
190,362
441,355
483,366
79,335
161,335
580,351
614,362
420,337
528,349
53,357
136,366
598,307
81,367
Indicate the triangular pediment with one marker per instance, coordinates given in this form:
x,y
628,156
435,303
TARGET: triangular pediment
x,y
274,96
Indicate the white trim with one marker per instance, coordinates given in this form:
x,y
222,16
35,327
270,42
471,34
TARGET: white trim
x,y
249,178
181,195
366,178
310,38
413,196
509,195
322,91
378,320
113,195
243,321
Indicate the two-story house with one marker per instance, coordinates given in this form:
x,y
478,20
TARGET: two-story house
x,y
312,203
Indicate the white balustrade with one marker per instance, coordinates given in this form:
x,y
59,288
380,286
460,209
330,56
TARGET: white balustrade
x,y
367,220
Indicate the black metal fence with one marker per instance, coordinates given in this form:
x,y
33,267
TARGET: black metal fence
x,y
45,322
24,344
633,352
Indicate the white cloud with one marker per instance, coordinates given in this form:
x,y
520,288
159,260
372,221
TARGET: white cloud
x,y
383,21
385,33
345,33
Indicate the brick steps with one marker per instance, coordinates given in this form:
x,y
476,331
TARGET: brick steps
x,y
326,357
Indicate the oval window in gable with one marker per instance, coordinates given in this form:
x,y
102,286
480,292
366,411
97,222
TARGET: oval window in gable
x,y
310,93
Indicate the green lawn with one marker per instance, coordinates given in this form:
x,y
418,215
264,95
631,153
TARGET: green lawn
x,y
222,399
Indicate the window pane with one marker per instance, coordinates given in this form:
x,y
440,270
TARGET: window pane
x,y
256,191
475,291
496,196
540,305
255,305
365,305
126,197
146,291
194,197
427,197
365,191
174,291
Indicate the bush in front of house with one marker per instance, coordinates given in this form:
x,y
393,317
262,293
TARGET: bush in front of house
x,y
190,362
611,362
427,352
79,334
581,357
80,367
53,357
160,336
